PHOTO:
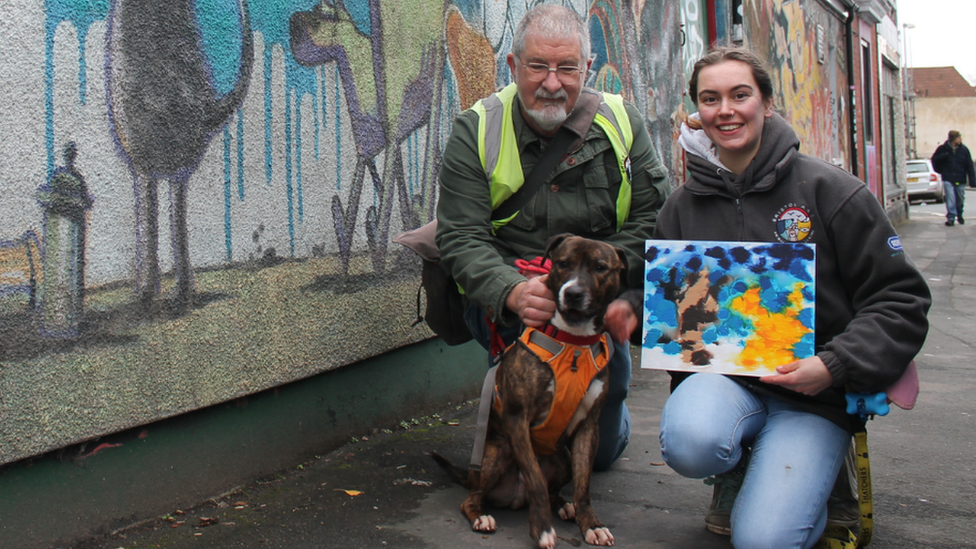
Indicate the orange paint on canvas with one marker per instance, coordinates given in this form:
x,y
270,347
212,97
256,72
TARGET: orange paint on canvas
x,y
775,333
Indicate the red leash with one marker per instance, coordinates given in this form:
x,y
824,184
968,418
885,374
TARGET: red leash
x,y
535,267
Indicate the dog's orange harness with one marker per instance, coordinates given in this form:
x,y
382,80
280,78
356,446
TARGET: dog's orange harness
x,y
574,362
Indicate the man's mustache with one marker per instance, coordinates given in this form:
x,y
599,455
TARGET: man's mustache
x,y
540,93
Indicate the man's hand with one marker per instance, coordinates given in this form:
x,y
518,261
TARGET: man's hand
x,y
532,301
620,320
808,376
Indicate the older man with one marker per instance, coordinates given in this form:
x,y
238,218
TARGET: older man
x,y
609,186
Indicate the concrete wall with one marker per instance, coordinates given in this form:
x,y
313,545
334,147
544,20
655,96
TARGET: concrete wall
x,y
935,116
240,169
94,488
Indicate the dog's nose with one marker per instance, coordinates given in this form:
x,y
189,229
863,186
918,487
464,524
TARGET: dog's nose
x,y
574,295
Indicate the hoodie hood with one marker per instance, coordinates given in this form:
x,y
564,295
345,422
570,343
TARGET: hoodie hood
x,y
697,143
777,152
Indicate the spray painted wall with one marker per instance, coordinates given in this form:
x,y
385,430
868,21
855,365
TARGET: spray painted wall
x,y
199,195
804,44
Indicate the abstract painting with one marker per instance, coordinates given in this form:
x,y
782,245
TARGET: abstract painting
x,y
740,308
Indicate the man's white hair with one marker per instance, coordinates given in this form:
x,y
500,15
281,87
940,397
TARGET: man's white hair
x,y
552,21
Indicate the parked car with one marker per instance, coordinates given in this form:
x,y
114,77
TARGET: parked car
x,y
924,182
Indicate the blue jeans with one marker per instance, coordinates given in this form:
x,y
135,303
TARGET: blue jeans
x,y
614,422
707,425
955,195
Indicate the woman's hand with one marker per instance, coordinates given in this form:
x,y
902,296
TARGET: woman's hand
x,y
620,320
532,301
808,376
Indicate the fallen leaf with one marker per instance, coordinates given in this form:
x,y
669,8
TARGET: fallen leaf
x,y
98,449
352,493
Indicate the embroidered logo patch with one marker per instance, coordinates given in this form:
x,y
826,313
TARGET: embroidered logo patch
x,y
895,243
793,224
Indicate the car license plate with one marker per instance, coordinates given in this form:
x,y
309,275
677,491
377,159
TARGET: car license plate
x,y
913,180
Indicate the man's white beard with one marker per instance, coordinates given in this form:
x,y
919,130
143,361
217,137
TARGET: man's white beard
x,y
551,116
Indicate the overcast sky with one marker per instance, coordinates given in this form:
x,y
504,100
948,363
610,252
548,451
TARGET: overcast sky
x,y
944,34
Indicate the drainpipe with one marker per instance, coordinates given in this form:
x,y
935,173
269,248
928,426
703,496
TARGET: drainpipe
x,y
851,75
849,18
712,23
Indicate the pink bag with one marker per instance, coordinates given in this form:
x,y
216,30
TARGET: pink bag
x,y
905,391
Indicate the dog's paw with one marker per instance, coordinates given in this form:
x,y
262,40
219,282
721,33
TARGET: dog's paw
x,y
485,523
599,536
567,511
548,539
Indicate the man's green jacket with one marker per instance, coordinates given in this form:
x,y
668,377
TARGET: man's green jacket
x,y
579,198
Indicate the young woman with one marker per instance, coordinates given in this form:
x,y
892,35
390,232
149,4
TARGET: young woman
x,y
784,436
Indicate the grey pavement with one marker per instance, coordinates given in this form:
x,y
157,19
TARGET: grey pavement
x,y
383,491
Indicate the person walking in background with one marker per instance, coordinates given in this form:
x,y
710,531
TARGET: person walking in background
x,y
953,161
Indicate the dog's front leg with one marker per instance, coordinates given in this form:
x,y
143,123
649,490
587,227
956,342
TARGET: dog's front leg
x,y
540,515
585,443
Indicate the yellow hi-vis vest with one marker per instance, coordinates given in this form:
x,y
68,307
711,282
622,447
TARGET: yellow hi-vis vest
x,y
499,154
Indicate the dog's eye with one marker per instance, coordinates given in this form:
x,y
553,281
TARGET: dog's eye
x,y
562,264
600,268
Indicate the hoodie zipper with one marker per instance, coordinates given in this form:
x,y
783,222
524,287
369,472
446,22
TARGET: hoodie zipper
x,y
738,201
742,217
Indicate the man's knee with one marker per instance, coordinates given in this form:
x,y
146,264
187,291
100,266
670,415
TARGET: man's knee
x,y
614,437
620,373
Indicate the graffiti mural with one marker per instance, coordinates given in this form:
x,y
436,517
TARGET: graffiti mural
x,y
165,102
199,195
812,89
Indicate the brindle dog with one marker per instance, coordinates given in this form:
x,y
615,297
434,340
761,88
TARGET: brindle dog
x,y
586,276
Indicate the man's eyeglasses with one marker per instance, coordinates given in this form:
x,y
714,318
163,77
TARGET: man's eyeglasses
x,y
567,74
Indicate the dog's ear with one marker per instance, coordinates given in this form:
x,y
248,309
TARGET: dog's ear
x,y
554,243
623,267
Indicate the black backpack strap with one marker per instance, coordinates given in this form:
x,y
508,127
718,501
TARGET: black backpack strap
x,y
540,173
